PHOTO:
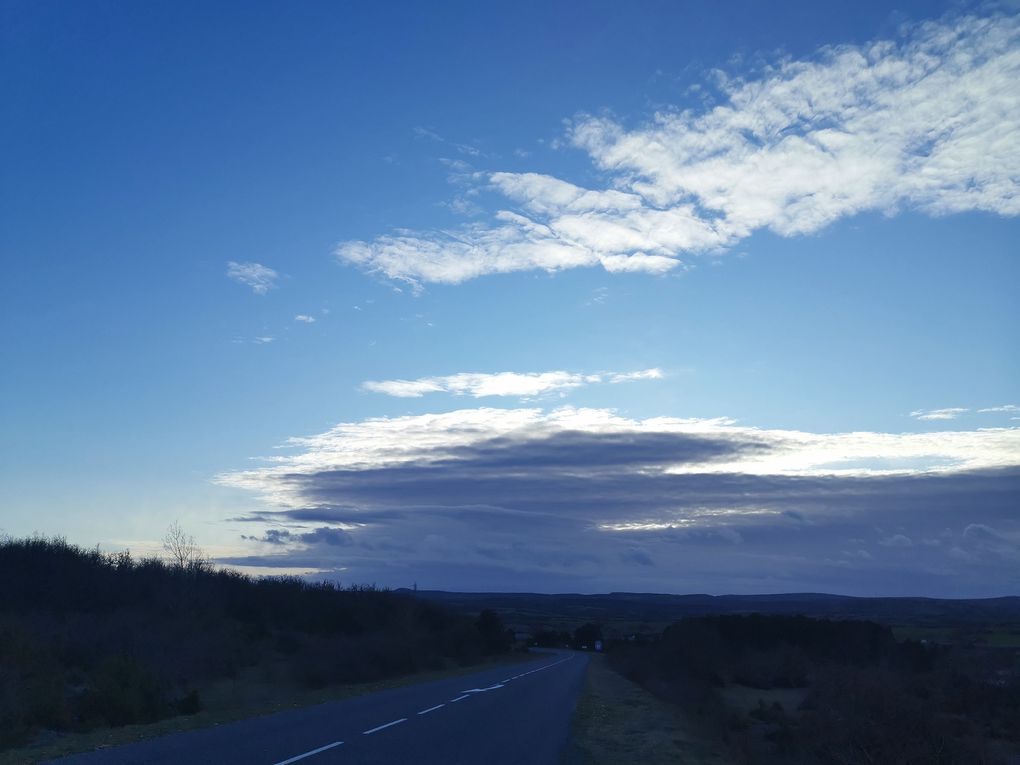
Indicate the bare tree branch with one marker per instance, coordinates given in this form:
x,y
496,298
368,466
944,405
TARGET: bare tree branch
x,y
182,549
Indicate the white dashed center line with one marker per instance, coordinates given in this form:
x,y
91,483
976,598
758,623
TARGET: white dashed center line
x,y
466,695
381,727
495,687
309,754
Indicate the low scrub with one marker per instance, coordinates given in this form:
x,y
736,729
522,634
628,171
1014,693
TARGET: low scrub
x,y
866,698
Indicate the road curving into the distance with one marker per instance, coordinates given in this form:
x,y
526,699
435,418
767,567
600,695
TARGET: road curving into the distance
x,y
518,713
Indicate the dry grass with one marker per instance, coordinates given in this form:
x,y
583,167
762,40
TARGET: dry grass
x,y
618,722
254,692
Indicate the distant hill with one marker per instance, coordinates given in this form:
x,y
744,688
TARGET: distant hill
x,y
659,608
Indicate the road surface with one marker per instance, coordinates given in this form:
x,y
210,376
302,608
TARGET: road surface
x,y
519,713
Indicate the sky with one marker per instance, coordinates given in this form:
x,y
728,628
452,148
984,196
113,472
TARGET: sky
x,y
672,297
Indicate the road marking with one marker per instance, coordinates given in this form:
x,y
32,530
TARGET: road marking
x,y
387,725
483,690
547,666
467,694
309,754
539,669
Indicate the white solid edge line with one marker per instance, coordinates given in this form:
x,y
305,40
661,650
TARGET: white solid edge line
x,y
431,709
460,698
309,754
387,725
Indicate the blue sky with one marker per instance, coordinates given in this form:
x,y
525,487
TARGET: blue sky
x,y
312,279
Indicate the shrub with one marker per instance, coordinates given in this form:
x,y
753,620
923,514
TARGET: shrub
x,y
124,692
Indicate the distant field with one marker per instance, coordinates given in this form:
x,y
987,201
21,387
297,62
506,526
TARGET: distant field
x,y
999,636
990,621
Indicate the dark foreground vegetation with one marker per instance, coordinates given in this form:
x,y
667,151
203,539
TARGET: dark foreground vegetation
x,y
89,640
792,689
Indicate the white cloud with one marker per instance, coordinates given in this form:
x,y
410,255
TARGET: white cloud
x,y
519,384
896,540
1008,408
547,195
644,374
930,121
950,413
302,317
260,278
431,135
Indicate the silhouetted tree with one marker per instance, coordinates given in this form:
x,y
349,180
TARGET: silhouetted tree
x,y
182,548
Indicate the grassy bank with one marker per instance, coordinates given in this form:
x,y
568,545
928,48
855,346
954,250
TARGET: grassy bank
x,y
618,721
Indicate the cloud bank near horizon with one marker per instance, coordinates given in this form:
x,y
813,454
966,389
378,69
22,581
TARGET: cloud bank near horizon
x,y
585,499
928,122
518,384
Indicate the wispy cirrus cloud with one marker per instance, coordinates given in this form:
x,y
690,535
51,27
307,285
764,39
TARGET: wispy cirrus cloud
x,y
1004,409
519,384
929,121
260,278
949,413
586,499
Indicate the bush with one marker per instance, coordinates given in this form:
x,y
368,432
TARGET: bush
x,y
123,692
189,704
495,636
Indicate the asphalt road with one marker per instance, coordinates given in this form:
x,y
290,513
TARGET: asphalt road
x,y
516,714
